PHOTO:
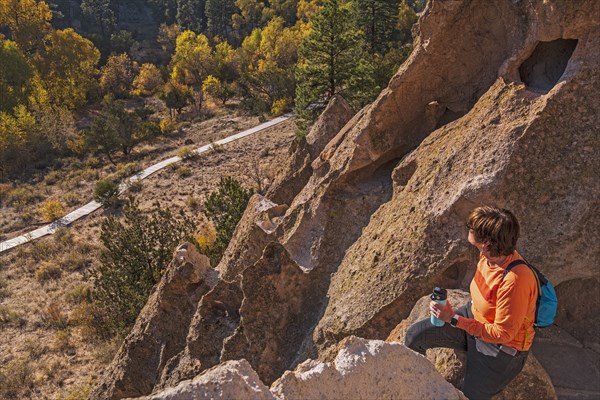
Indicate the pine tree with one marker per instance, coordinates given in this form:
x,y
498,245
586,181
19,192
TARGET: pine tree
x,y
224,208
332,61
190,15
378,20
136,252
218,17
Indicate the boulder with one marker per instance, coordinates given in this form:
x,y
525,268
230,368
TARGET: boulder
x,y
160,330
366,369
230,380
449,363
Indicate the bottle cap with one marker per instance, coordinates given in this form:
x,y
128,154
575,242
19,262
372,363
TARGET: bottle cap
x,y
439,294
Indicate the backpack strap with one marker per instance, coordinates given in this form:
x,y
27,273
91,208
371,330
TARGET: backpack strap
x,y
512,265
538,283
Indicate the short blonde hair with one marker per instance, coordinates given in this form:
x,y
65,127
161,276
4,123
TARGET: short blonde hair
x,y
497,227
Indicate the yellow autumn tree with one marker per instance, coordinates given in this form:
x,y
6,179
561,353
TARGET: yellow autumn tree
x,y
148,80
28,22
266,63
192,62
68,67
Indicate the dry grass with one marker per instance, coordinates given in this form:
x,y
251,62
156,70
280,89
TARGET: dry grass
x,y
51,346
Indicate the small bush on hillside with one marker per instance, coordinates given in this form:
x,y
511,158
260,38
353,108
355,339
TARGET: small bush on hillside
x,y
55,317
135,186
80,293
81,392
51,209
22,196
74,260
61,341
126,170
192,202
224,208
5,188
206,237
183,172
16,378
47,270
136,252
63,236
106,192
168,125
216,147
186,153
280,106
71,199
52,177
8,316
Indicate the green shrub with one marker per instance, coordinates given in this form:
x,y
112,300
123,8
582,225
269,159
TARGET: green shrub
x,y
106,192
136,252
224,208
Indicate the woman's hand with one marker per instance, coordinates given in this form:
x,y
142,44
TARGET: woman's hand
x,y
441,311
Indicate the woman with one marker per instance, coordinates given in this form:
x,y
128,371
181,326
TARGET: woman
x,y
496,326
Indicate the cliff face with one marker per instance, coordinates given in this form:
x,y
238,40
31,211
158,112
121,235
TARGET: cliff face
x,y
498,104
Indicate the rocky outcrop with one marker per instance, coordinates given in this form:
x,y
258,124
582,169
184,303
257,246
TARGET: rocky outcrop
x,y
255,230
365,369
298,170
160,330
497,105
518,147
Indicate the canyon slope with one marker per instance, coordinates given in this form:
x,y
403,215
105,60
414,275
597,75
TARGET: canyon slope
x,y
498,104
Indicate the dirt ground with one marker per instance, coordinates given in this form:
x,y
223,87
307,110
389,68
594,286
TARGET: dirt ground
x,y
45,353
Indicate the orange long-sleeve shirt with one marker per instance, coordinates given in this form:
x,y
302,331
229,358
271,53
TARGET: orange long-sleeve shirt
x,y
503,309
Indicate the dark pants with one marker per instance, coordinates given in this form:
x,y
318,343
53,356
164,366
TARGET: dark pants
x,y
485,375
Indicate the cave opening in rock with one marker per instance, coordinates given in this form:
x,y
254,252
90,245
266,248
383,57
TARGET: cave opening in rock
x,y
542,70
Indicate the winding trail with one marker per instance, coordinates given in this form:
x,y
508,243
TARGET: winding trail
x,y
94,205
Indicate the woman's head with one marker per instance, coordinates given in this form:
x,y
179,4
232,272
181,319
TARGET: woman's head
x,y
495,229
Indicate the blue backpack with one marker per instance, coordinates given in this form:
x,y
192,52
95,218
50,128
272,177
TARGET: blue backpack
x,y
546,304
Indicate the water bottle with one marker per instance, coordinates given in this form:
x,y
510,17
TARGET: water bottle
x,y
439,295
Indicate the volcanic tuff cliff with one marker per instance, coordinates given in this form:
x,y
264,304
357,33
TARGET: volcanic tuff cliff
x,y
498,104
